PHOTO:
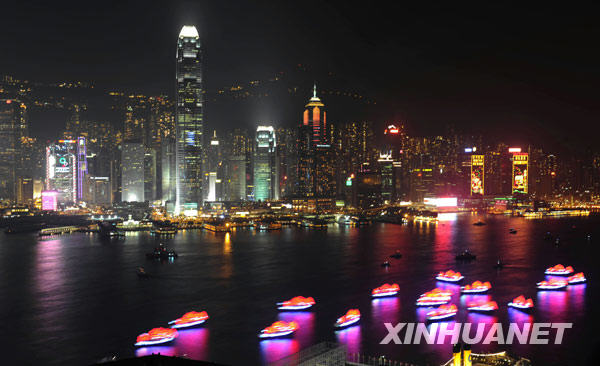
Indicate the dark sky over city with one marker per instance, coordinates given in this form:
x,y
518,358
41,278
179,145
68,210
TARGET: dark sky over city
x,y
491,67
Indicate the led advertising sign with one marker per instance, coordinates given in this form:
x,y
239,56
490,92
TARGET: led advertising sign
x,y
477,174
520,173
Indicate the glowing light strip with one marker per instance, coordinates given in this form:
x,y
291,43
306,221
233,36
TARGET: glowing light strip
x,y
294,307
347,323
443,316
474,290
485,308
186,325
150,343
383,294
276,334
432,303
519,306
562,272
449,279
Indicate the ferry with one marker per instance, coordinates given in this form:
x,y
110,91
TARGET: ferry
x,y
449,276
443,312
484,307
521,303
268,225
351,317
189,319
296,303
386,290
161,252
560,270
476,287
434,297
217,226
279,329
552,284
576,278
156,336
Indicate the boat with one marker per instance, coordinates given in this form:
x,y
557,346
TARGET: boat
x,y
279,329
479,223
161,252
484,307
560,270
442,312
434,297
386,290
552,284
189,319
217,226
499,264
476,287
512,231
576,278
465,256
449,276
351,317
163,230
296,303
156,336
385,264
396,255
268,225
141,273
521,303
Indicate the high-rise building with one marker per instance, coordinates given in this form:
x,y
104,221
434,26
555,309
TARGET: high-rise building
x,y
61,170
189,123
13,127
132,172
266,182
214,170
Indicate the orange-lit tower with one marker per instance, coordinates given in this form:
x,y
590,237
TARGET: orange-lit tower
x,y
316,118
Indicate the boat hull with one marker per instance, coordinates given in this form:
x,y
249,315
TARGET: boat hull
x,y
346,323
154,342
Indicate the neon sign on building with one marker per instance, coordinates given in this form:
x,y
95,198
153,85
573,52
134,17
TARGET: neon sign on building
x,y
477,174
520,173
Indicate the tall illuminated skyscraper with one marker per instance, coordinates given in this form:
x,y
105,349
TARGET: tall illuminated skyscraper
x,y
13,127
189,124
266,177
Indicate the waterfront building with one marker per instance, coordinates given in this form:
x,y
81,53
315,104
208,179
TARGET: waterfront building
x,y
266,175
132,172
189,119
62,170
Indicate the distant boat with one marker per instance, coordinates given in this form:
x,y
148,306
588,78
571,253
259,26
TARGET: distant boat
x,y
141,273
396,255
466,256
512,231
385,264
479,223
499,264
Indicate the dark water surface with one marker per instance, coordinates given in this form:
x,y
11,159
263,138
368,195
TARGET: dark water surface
x,y
74,299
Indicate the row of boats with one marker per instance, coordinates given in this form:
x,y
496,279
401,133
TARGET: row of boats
x,y
437,297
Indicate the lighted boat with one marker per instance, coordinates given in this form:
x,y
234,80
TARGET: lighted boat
x,y
396,255
560,270
521,303
576,278
449,276
553,284
434,297
476,287
351,317
189,319
156,336
443,312
279,329
386,290
466,256
485,307
385,264
296,303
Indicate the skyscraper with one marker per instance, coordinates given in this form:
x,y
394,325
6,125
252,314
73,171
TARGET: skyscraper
x,y
189,119
266,176
13,127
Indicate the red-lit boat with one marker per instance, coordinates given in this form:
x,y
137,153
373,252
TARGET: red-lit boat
x,y
386,290
560,270
449,276
521,303
279,329
476,287
553,284
156,336
443,312
189,319
434,297
296,303
484,307
351,317
576,278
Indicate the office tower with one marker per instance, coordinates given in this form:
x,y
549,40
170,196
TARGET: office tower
x,y
132,172
82,169
135,121
150,174
266,184
477,175
237,173
520,173
61,170
213,170
167,169
13,127
98,191
189,124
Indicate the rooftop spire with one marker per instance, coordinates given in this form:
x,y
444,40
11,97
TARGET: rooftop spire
x,y
315,90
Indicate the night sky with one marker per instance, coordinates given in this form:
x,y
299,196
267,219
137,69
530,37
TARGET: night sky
x,y
489,68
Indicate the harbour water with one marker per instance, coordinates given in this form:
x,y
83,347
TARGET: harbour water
x,y
75,299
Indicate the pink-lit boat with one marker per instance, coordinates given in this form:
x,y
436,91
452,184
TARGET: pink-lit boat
x,y
449,276
156,336
443,312
296,303
434,297
279,329
521,303
386,290
576,278
351,317
560,270
483,307
553,284
189,319
476,287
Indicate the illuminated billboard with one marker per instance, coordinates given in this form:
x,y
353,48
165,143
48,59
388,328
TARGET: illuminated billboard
x,y
477,174
49,200
441,202
520,173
